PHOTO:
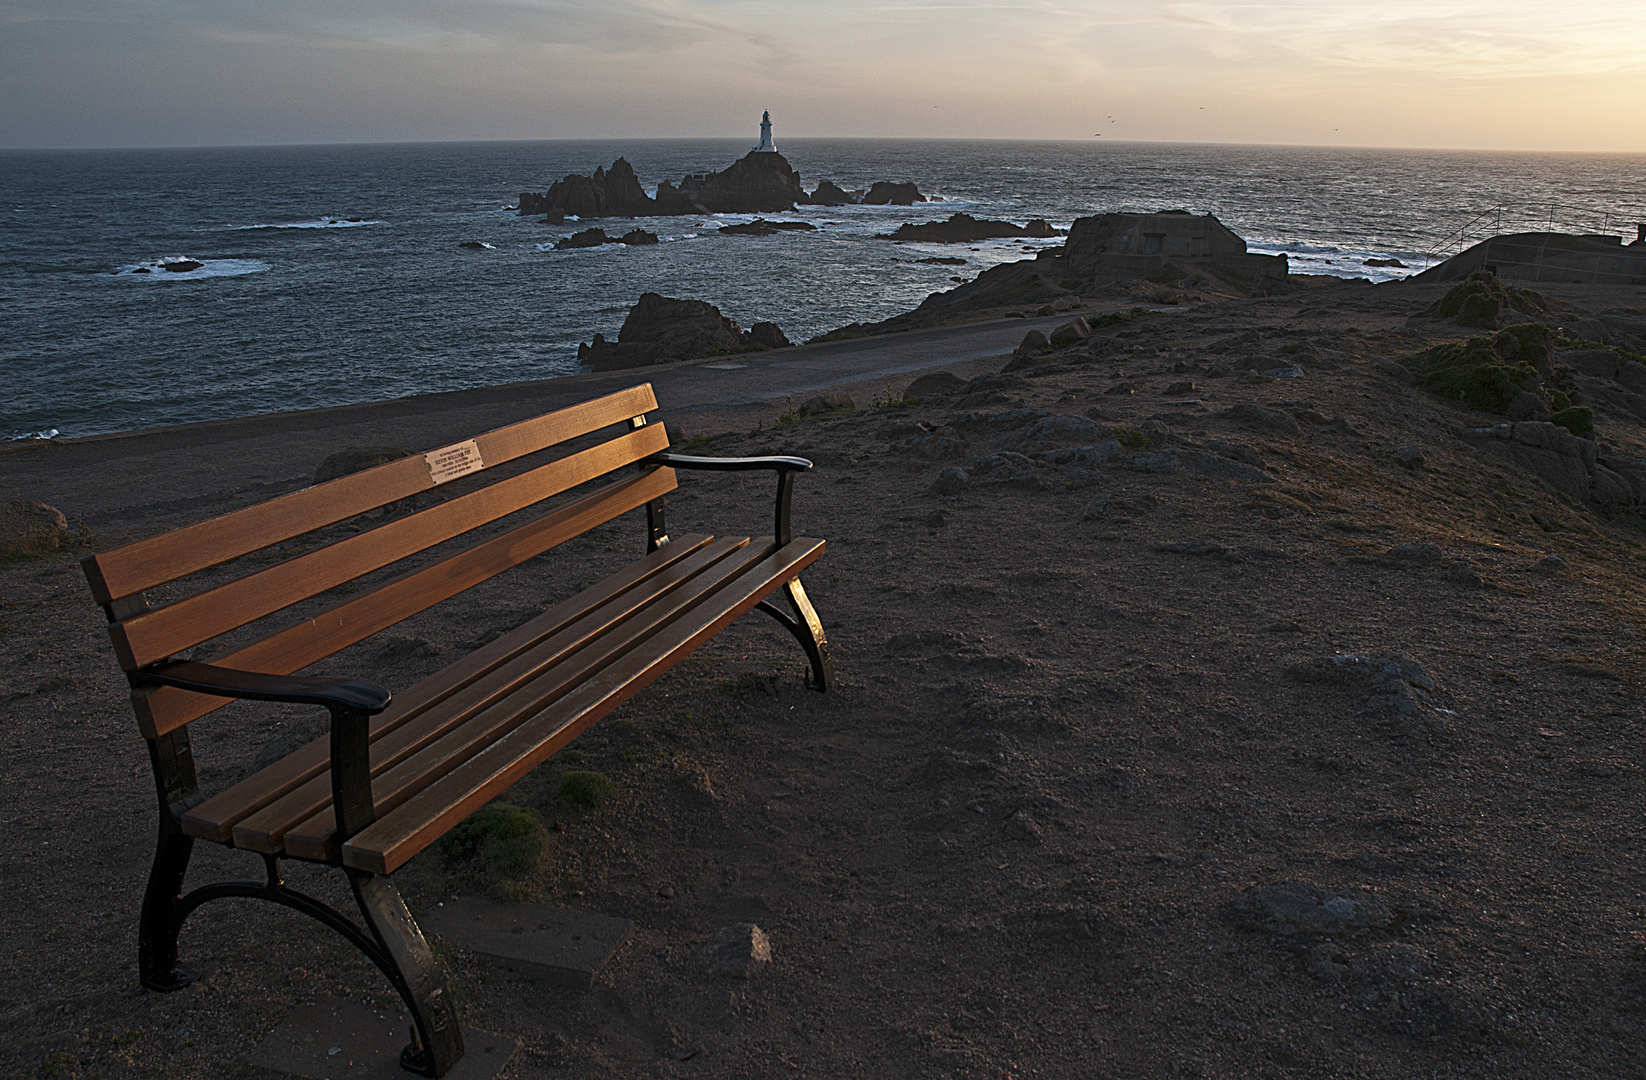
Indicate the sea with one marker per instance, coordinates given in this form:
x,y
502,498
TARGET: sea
x,y
337,274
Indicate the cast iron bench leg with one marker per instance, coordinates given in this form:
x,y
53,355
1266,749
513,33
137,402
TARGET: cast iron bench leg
x,y
437,1040
163,913
807,629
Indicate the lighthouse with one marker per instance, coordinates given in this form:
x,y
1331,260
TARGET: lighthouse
x,y
766,145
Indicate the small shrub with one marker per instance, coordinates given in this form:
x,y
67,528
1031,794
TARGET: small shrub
x,y
1473,373
1132,437
1113,318
585,787
498,840
1579,420
891,399
1479,300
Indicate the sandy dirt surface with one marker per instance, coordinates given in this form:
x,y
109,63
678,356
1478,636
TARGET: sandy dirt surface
x,y
1190,761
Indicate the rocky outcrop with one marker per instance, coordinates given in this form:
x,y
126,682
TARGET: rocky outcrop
x,y
614,193
659,330
964,229
589,238
1567,463
762,227
885,193
830,194
757,183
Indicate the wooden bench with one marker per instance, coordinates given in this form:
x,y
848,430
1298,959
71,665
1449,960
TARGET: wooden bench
x,y
395,775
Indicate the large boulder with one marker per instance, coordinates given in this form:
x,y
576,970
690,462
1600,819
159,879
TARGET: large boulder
x,y
660,329
829,193
30,527
616,193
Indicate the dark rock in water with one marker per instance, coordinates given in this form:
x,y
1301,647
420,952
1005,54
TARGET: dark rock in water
x,y
555,218
757,183
30,527
182,266
885,193
762,227
829,194
637,237
660,329
616,193
356,459
586,239
1384,262
476,245
1039,228
963,229
141,270
941,260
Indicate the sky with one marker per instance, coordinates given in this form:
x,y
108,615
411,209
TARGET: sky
x,y
1504,74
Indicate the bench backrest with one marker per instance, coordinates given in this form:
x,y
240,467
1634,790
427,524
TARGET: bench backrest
x,y
144,635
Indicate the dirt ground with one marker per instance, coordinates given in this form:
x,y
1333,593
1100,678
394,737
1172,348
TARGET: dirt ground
x,y
1144,767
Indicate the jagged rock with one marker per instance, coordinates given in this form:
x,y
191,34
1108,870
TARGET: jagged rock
x,y
757,183
829,194
885,193
965,229
660,329
616,193
357,459
1032,343
588,238
934,384
1071,333
30,527
1568,463
762,227
637,237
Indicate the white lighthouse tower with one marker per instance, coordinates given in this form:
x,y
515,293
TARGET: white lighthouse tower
x,y
766,145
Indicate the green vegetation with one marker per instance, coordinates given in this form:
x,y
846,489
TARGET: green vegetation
x,y
1490,373
1482,298
1132,437
891,399
585,787
499,840
1113,318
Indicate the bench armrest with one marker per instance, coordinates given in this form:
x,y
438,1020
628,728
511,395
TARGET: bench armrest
x,y
785,467
728,464
338,695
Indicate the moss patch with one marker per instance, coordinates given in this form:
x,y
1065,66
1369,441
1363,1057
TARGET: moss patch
x,y
1482,298
500,840
1579,420
585,787
1473,373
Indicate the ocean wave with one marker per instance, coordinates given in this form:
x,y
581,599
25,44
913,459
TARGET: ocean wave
x,y
177,268
318,223
49,433
1329,261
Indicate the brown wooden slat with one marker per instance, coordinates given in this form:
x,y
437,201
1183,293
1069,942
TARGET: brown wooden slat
x,y
157,634
159,559
163,709
393,839
566,661
265,830
216,818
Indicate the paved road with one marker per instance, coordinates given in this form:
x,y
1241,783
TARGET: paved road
x,y
118,481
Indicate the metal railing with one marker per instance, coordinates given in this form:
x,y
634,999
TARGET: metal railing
x,y
1527,217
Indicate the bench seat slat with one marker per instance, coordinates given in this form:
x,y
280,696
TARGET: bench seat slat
x,y
393,839
422,723
163,709
157,634
315,838
159,559
215,818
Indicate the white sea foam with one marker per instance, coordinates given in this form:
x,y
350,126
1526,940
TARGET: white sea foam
x,y
49,433
155,269
1329,261
317,223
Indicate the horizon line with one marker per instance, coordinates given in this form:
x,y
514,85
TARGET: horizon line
x,y
1094,141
